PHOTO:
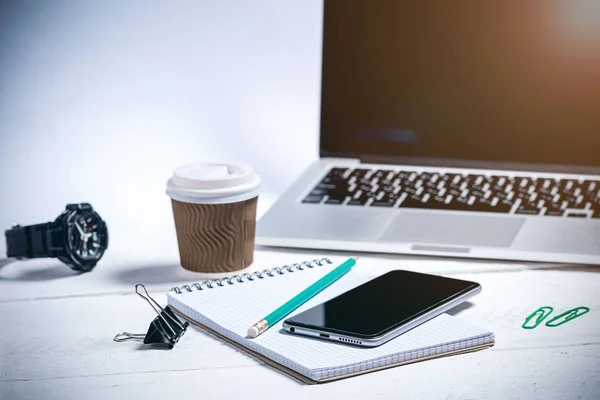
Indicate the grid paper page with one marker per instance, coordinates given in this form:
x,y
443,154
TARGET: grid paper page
x,y
232,309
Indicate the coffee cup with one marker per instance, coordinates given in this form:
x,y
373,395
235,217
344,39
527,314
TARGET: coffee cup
x,y
214,207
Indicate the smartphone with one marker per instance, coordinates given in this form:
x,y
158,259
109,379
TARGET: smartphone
x,y
381,309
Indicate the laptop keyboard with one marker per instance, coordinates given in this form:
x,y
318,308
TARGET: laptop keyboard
x,y
438,191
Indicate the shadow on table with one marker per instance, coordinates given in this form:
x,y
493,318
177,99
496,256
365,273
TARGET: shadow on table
x,y
45,274
569,267
39,273
478,265
460,308
158,274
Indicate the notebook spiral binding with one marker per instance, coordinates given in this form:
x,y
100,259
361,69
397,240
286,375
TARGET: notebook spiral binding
x,y
209,284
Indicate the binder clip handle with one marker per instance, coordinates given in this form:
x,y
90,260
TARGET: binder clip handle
x,y
165,329
121,337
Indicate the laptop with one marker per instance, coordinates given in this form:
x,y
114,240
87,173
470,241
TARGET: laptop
x,y
453,128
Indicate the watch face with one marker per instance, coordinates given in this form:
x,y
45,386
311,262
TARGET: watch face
x,y
87,236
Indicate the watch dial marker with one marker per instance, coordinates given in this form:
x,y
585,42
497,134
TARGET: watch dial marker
x,y
86,235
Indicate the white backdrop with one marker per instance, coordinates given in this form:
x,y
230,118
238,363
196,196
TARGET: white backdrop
x,y
100,100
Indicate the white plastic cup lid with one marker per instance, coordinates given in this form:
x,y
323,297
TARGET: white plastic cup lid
x,y
213,183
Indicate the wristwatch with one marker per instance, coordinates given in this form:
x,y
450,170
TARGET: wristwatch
x,y
78,237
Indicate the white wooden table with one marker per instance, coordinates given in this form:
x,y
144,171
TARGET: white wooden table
x,y
57,332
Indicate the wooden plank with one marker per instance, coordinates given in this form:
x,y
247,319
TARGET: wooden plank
x,y
64,338
70,337
563,373
157,266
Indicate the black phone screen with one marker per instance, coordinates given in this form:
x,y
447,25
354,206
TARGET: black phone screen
x,y
382,304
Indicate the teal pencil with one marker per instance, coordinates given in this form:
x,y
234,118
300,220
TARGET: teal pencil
x,y
300,298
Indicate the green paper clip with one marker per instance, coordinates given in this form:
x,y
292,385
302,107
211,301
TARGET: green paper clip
x,y
541,313
568,316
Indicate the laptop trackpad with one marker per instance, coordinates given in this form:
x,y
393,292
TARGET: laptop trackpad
x,y
451,229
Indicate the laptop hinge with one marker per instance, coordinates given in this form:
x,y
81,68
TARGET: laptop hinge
x,y
454,163
341,160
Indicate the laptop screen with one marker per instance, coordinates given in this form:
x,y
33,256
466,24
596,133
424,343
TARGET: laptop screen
x,y
502,81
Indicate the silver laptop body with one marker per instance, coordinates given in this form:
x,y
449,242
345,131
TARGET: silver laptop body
x,y
450,130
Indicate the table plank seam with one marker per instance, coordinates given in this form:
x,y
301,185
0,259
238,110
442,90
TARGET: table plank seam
x,y
165,289
129,373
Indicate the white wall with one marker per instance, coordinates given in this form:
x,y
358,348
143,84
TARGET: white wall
x,y
100,100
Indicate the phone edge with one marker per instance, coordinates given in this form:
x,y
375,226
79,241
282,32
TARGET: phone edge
x,y
379,340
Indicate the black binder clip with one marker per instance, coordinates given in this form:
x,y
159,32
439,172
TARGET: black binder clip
x,y
164,331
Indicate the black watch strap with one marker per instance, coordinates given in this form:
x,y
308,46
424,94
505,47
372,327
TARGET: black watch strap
x,y
32,241
79,206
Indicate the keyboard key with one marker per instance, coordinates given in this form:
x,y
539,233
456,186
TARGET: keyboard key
x,y
318,192
508,203
479,183
591,189
381,203
410,190
338,172
387,187
528,209
425,176
326,187
433,184
454,192
431,191
359,172
333,180
554,210
455,184
489,205
545,193
359,198
577,215
452,178
382,173
335,200
501,195
499,181
480,179
576,204
313,199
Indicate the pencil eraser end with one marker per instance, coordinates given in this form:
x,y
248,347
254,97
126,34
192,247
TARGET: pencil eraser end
x,y
253,332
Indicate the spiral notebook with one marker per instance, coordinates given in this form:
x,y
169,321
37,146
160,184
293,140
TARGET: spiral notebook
x,y
227,307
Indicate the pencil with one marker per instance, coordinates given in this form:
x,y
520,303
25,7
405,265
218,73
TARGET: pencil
x,y
301,298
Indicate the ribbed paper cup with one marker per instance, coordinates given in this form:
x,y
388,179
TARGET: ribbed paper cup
x,y
214,207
